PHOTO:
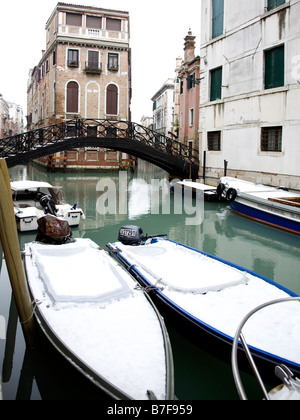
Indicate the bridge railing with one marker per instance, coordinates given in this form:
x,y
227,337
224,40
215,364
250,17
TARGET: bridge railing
x,y
82,128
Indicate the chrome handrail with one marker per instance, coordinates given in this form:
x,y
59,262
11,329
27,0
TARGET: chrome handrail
x,y
240,336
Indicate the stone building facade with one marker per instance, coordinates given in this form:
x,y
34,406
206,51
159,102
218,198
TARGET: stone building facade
x,y
250,90
85,72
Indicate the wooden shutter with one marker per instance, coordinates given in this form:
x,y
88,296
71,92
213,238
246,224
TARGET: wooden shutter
x,y
93,22
274,67
217,18
72,97
216,84
113,24
93,59
112,100
74,19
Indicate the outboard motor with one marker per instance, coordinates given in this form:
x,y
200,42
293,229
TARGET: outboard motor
x,y
133,235
48,205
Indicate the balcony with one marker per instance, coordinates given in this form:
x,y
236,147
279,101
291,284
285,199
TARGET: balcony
x,y
93,68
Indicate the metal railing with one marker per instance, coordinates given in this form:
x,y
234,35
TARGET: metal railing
x,y
234,356
98,129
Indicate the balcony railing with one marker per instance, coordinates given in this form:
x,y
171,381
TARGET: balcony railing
x,y
95,68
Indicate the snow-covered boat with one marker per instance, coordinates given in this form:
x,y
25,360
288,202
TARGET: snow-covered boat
x,y
34,199
272,206
211,296
92,311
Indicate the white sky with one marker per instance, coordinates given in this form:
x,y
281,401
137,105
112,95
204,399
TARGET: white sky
x,y
158,29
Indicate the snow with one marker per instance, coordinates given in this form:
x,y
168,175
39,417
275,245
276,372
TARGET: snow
x,y
95,311
220,295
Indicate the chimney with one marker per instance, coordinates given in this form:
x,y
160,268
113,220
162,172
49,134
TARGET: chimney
x,y
189,47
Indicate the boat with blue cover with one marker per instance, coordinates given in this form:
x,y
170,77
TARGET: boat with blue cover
x,y
275,207
210,296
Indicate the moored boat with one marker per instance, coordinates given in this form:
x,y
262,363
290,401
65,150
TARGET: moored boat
x,y
34,199
210,295
90,309
276,207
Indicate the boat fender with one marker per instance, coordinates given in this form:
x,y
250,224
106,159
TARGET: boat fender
x,y
220,189
231,195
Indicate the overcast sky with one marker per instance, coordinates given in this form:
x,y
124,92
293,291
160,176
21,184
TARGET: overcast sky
x,y
158,29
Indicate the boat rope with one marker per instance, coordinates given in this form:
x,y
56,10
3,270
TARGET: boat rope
x,y
130,267
34,305
149,288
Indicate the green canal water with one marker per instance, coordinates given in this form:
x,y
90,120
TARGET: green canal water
x,y
199,375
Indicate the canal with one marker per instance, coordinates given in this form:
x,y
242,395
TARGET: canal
x,y
199,375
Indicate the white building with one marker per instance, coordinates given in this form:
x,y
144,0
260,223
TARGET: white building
x,y
250,90
163,108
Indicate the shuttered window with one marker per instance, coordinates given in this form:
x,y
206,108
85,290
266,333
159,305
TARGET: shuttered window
x,y
74,19
274,67
94,22
72,97
272,4
93,59
112,100
217,18
113,24
216,84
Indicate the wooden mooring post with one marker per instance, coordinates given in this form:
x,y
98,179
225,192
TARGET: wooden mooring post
x,y
12,254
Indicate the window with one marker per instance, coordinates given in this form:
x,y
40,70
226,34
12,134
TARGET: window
x,y
94,22
181,87
214,141
216,84
190,81
217,17
73,58
191,117
54,57
274,67
74,19
272,4
271,139
93,65
113,24
72,97
113,61
93,59
112,100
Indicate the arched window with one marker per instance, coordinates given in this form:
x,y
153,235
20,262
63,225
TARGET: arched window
x,y
72,97
112,100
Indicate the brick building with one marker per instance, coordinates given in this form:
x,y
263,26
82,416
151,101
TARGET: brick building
x,y
85,72
188,77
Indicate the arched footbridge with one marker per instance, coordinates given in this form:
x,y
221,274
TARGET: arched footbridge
x,y
131,138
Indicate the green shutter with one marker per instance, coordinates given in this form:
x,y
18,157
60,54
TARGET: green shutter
x,y
218,18
274,68
216,84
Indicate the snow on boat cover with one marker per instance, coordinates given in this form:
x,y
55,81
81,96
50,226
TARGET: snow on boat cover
x,y
91,310
216,295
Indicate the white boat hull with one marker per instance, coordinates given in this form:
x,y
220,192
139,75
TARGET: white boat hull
x,y
88,307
